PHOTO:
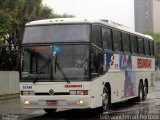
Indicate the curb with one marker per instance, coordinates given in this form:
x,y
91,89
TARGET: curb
x,y
9,96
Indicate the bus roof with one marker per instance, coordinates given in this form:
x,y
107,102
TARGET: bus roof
x,y
83,20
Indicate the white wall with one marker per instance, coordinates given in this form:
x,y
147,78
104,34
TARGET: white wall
x,y
9,82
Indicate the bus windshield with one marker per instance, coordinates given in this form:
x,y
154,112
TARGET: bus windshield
x,y
56,33
56,63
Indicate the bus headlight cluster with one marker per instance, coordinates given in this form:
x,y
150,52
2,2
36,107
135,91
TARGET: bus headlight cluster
x,y
26,102
80,102
27,93
78,92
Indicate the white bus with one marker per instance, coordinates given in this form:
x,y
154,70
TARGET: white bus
x,y
82,63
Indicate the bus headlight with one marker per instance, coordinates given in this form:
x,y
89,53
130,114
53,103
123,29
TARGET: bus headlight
x,y
27,93
78,92
26,102
80,102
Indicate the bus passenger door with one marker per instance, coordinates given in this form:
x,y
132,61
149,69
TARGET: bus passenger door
x,y
96,63
96,69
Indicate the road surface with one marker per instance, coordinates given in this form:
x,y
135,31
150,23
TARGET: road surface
x,y
148,109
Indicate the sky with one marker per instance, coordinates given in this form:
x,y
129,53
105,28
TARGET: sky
x,y
121,11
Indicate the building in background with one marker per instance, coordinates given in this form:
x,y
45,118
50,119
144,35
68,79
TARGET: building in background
x,y
156,15
147,15
143,10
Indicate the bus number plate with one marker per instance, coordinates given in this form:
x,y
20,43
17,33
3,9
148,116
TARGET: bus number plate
x,y
52,102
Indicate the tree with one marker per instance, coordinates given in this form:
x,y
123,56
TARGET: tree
x,y
156,38
14,15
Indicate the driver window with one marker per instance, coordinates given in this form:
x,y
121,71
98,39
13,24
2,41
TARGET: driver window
x,y
96,63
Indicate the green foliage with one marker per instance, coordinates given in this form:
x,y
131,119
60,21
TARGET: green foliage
x,y
14,15
45,12
6,22
156,38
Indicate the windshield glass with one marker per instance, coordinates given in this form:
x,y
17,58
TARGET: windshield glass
x,y
55,63
56,33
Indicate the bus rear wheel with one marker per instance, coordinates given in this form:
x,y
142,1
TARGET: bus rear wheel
x,y
141,92
49,111
145,90
105,100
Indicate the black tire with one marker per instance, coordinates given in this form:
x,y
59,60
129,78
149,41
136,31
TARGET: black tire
x,y
141,92
50,111
145,90
105,100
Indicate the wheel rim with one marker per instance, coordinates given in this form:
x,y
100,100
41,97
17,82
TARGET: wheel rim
x,y
105,101
141,92
145,90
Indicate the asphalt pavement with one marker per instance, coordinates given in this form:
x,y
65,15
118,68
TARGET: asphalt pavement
x,y
148,109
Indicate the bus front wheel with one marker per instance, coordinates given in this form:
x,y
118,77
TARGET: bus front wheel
x,y
105,100
49,111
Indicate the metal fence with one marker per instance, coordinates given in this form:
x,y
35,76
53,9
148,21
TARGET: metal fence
x,y
9,82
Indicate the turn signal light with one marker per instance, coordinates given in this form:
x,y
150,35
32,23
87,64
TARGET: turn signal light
x,y
27,93
78,92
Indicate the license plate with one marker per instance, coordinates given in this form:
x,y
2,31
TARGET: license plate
x,y
51,102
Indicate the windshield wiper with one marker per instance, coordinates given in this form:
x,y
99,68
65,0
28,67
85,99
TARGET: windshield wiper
x,y
60,69
38,71
44,65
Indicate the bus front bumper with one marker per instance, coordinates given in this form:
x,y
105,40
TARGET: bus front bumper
x,y
70,101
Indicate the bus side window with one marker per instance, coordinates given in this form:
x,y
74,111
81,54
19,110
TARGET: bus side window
x,y
151,47
126,42
146,46
107,38
141,46
117,41
96,63
96,35
134,44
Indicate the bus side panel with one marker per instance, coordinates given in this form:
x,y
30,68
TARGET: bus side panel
x,y
129,80
123,77
96,93
151,82
144,71
115,78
